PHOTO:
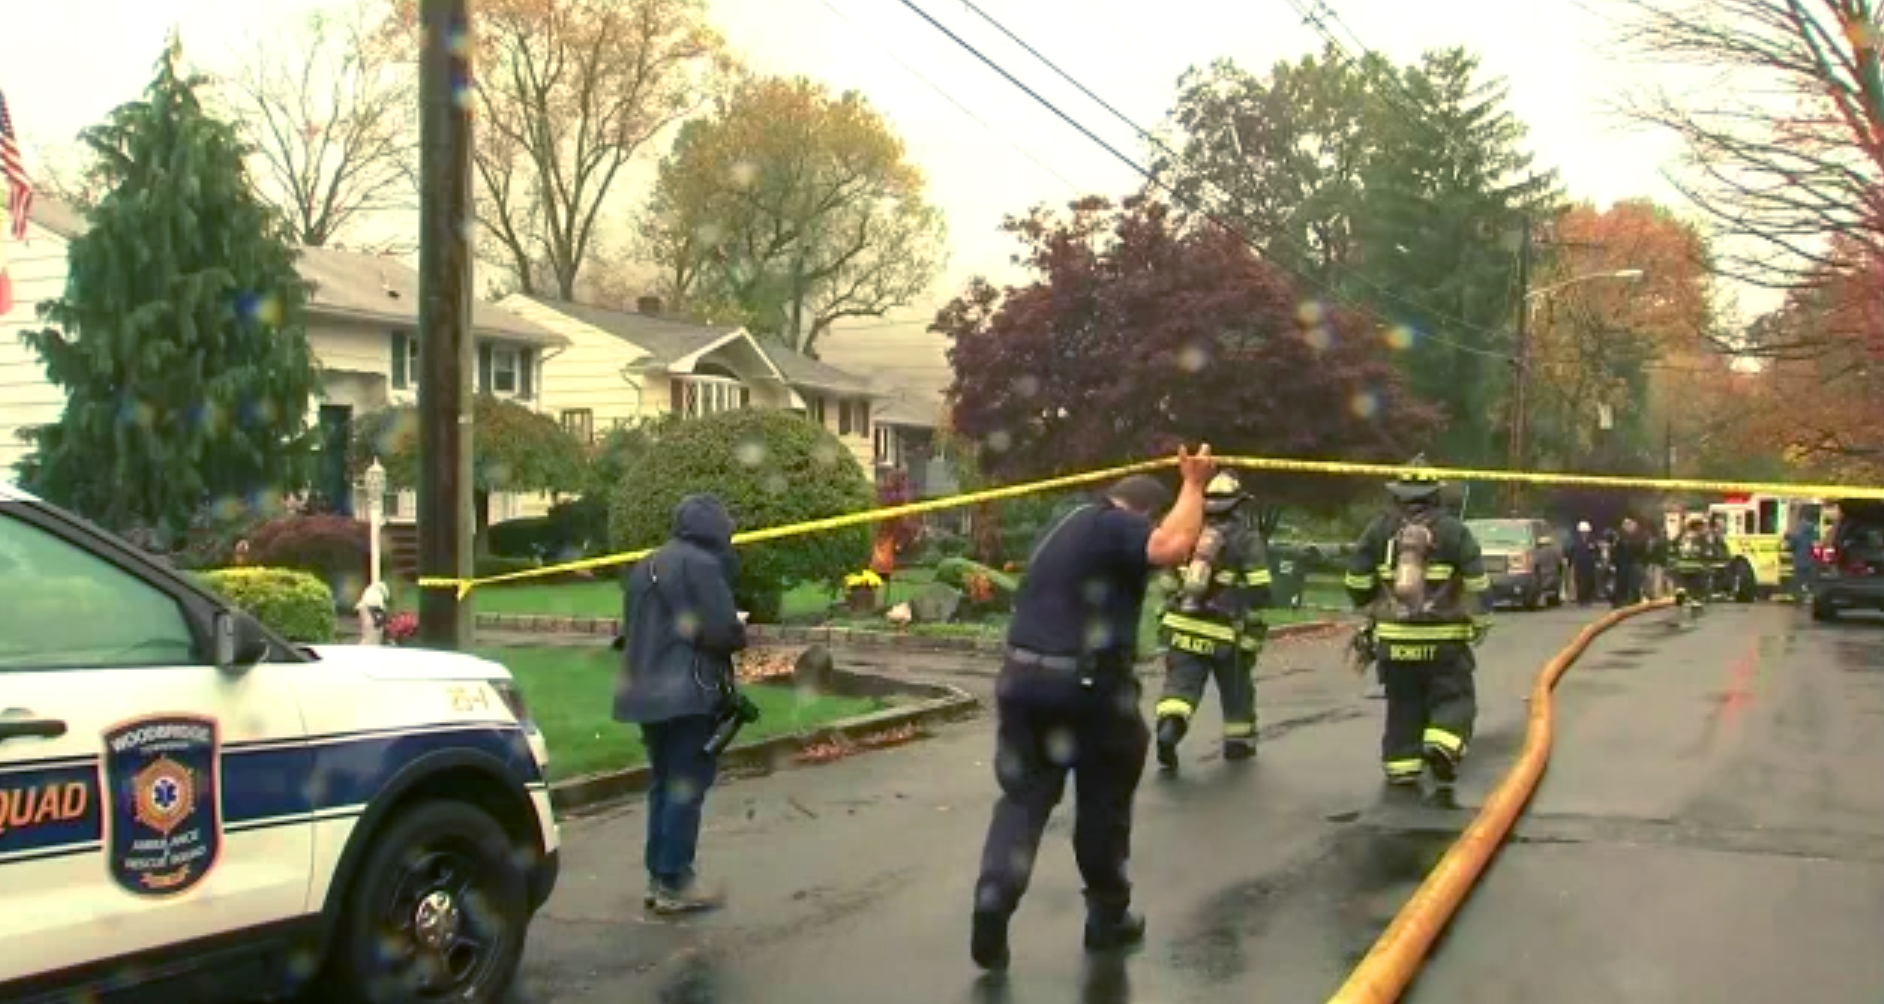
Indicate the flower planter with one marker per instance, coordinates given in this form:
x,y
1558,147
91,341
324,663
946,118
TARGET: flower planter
x,y
861,600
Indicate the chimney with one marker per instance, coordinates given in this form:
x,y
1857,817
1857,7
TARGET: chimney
x,y
649,305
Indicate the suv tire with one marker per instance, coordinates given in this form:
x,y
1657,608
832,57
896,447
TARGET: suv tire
x,y
441,894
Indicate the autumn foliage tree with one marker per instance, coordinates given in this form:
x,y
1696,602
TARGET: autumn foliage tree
x,y
1627,313
1141,330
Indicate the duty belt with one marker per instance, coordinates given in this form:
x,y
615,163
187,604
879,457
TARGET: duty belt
x,y
1089,667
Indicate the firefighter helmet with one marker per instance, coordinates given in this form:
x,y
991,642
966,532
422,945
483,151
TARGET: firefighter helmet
x,y
1415,484
1223,493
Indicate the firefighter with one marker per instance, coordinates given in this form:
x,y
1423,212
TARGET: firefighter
x,y
1718,557
1690,561
1213,625
1417,573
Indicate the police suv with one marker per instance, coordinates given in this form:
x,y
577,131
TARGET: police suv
x,y
194,809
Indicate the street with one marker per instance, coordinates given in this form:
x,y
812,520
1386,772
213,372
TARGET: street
x,y
1708,830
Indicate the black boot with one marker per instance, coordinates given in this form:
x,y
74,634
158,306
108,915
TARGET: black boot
x,y
1111,930
988,945
1444,768
1239,748
1170,733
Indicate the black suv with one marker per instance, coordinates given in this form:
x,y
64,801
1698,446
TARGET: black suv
x,y
1851,566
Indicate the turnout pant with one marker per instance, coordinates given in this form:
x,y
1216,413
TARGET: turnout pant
x,y
1698,583
1234,668
1432,702
1052,724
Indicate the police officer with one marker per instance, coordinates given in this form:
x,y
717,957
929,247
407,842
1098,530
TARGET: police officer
x,y
1417,572
1067,700
1213,625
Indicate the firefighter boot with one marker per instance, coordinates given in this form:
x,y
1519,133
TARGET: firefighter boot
x,y
1170,733
1239,749
1443,765
988,944
1112,930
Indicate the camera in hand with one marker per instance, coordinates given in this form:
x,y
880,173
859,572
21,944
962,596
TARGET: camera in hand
x,y
739,713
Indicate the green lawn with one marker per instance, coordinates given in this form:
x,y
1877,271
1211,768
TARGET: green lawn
x,y
602,598
571,693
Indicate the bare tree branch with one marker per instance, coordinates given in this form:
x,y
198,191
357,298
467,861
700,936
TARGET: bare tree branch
x,y
331,111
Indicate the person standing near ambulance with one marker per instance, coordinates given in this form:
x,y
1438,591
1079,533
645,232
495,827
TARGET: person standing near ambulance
x,y
1418,574
1067,701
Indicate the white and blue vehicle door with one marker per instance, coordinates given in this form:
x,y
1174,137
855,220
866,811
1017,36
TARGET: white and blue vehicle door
x,y
139,805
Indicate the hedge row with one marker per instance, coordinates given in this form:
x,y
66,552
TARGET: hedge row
x,y
295,604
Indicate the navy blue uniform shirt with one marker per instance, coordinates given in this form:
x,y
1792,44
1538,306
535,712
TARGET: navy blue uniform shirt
x,y
1084,588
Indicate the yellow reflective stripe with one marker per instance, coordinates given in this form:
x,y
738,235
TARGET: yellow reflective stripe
x,y
1405,767
1202,628
1481,620
1259,578
1238,730
1477,583
1390,631
1249,644
1385,572
1353,581
1439,571
1172,707
1451,742
1224,578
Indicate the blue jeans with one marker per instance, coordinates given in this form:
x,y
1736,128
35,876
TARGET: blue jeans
x,y
680,772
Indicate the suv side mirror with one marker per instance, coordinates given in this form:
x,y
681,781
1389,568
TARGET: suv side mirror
x,y
240,642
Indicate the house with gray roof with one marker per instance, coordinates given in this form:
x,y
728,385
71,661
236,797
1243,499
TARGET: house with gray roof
x,y
621,366
363,319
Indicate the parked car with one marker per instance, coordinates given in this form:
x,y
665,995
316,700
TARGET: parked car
x,y
1851,565
1524,559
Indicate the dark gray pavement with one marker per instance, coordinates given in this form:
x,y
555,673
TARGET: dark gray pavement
x,y
851,882
1711,827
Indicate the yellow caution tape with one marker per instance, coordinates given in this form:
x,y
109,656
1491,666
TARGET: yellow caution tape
x,y
464,586
1278,465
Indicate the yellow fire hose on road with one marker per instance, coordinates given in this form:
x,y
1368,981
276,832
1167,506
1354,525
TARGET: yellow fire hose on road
x,y
1397,955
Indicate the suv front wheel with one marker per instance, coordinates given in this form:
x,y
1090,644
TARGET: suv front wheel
x,y
438,912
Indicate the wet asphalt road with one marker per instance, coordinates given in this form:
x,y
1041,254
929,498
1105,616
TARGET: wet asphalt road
x,y
1711,827
852,881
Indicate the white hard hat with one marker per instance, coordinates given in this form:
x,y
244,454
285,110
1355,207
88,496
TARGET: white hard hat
x,y
1583,526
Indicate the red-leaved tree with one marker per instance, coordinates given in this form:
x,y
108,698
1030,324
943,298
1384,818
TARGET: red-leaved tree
x,y
1142,330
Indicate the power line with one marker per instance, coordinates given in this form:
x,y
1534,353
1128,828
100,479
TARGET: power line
x,y
1152,178
950,98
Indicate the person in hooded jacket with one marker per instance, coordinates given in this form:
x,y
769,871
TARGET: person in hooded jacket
x,y
682,630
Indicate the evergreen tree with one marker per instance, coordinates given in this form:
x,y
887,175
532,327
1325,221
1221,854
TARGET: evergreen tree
x,y
1445,197
180,340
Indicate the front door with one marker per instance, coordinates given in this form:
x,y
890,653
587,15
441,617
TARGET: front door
x,y
120,829
334,482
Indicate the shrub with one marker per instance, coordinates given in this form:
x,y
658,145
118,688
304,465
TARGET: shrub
x,y
770,467
986,589
210,539
335,549
295,604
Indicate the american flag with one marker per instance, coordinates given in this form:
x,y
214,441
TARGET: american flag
x,y
19,187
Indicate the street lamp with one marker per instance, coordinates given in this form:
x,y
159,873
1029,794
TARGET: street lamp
x,y
375,505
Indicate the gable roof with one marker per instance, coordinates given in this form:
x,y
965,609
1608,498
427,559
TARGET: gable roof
x,y
905,407
380,288
343,284
669,342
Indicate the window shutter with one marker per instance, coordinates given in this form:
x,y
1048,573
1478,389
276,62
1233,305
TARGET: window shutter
x,y
745,396
526,374
863,418
399,351
677,399
843,418
484,367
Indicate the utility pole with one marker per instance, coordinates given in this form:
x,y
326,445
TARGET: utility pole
x,y
445,348
1521,366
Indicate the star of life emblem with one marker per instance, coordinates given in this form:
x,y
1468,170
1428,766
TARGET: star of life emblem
x,y
166,795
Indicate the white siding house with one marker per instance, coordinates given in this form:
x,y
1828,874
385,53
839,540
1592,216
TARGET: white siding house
x,y
362,328
623,365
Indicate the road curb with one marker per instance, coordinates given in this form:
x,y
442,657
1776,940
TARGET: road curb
x,y
1389,967
941,703
830,637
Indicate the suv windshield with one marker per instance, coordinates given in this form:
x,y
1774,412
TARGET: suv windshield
x,y
1500,532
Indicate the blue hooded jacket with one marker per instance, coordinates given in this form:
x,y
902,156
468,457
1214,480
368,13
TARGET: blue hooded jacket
x,y
680,620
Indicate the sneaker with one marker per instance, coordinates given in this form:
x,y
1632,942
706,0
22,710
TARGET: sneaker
x,y
1123,931
988,943
1238,749
669,902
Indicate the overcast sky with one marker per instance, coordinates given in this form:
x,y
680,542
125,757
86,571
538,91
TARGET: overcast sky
x,y
71,61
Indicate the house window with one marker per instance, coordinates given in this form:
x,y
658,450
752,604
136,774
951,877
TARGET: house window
x,y
887,451
814,410
693,396
853,418
405,360
504,371
580,423
389,505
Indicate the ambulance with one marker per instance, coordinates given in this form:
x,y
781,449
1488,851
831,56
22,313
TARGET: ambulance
x,y
193,808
